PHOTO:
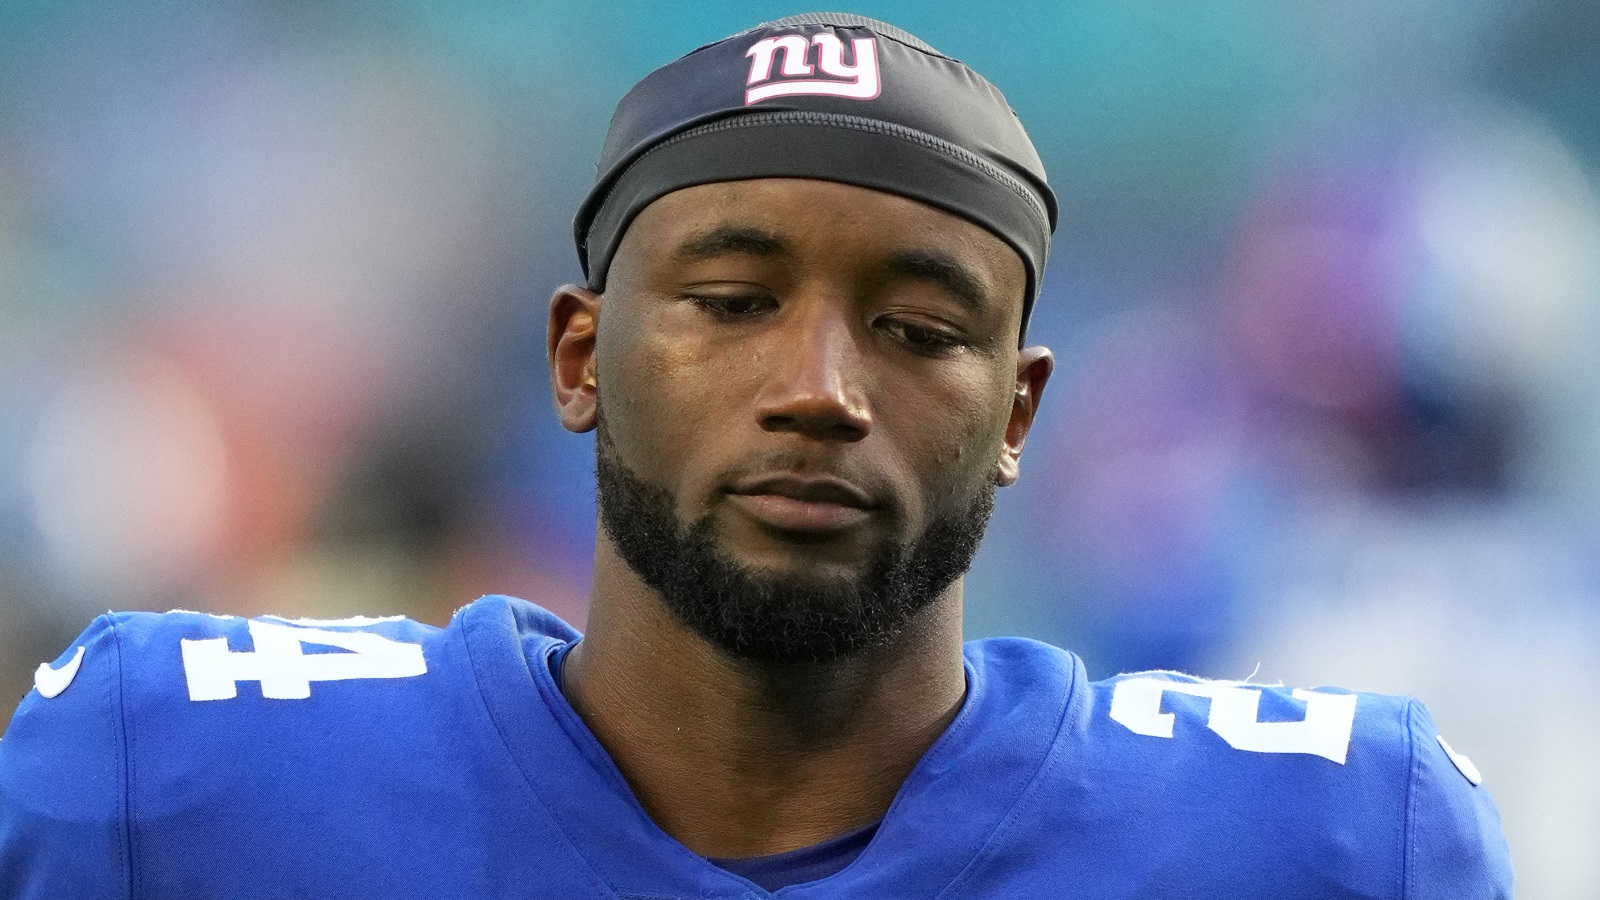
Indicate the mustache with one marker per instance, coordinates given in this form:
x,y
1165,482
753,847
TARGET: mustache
x,y
873,489
822,462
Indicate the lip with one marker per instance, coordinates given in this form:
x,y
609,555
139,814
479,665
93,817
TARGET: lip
x,y
804,503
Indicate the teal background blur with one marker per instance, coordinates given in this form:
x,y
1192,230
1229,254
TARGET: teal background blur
x,y
1323,297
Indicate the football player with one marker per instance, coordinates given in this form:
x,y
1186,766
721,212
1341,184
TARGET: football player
x,y
811,253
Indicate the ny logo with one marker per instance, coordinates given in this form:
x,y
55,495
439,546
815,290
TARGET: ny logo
x,y
859,81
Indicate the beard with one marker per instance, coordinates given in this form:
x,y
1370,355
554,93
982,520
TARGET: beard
x,y
770,617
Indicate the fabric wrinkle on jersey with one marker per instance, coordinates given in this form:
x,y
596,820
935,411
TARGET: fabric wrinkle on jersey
x,y
476,779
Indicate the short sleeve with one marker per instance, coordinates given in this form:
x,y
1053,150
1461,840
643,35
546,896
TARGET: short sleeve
x,y
1455,849
62,779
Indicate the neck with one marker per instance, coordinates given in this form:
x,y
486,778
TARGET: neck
x,y
740,758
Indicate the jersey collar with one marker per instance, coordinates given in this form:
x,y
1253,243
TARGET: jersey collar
x,y
941,821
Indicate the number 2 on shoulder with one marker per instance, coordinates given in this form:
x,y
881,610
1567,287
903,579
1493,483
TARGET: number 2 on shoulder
x,y
1325,730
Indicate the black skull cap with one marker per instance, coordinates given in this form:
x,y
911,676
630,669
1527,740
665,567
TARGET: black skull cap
x,y
832,96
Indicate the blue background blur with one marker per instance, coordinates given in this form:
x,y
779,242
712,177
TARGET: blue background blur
x,y
1324,300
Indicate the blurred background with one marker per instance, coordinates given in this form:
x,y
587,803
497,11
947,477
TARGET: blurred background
x,y
273,280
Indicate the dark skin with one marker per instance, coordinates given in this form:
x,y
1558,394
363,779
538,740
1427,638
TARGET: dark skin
x,y
758,339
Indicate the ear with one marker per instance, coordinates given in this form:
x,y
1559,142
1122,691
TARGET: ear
x,y
570,343
1034,365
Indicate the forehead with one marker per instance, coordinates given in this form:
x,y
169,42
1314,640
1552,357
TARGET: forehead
x,y
840,222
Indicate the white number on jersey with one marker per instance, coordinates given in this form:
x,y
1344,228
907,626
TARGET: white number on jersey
x,y
1325,730
285,670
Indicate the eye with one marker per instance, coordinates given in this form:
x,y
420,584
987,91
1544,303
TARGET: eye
x,y
922,338
734,306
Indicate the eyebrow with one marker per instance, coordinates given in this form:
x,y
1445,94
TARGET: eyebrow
x,y
943,270
730,239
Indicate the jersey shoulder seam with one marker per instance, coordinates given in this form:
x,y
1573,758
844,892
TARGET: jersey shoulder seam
x,y
1408,828
120,708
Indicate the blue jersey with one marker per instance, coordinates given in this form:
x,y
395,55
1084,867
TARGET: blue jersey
x,y
185,756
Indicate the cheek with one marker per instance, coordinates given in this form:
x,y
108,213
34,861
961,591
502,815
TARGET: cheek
x,y
959,427
664,400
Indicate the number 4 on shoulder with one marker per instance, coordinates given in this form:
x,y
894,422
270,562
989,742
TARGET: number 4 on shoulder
x,y
285,670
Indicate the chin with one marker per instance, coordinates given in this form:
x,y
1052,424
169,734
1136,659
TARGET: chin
x,y
808,557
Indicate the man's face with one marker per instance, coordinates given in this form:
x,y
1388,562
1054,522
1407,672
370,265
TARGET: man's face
x,y
817,385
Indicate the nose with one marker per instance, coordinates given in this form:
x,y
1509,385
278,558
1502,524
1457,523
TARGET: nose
x,y
815,386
